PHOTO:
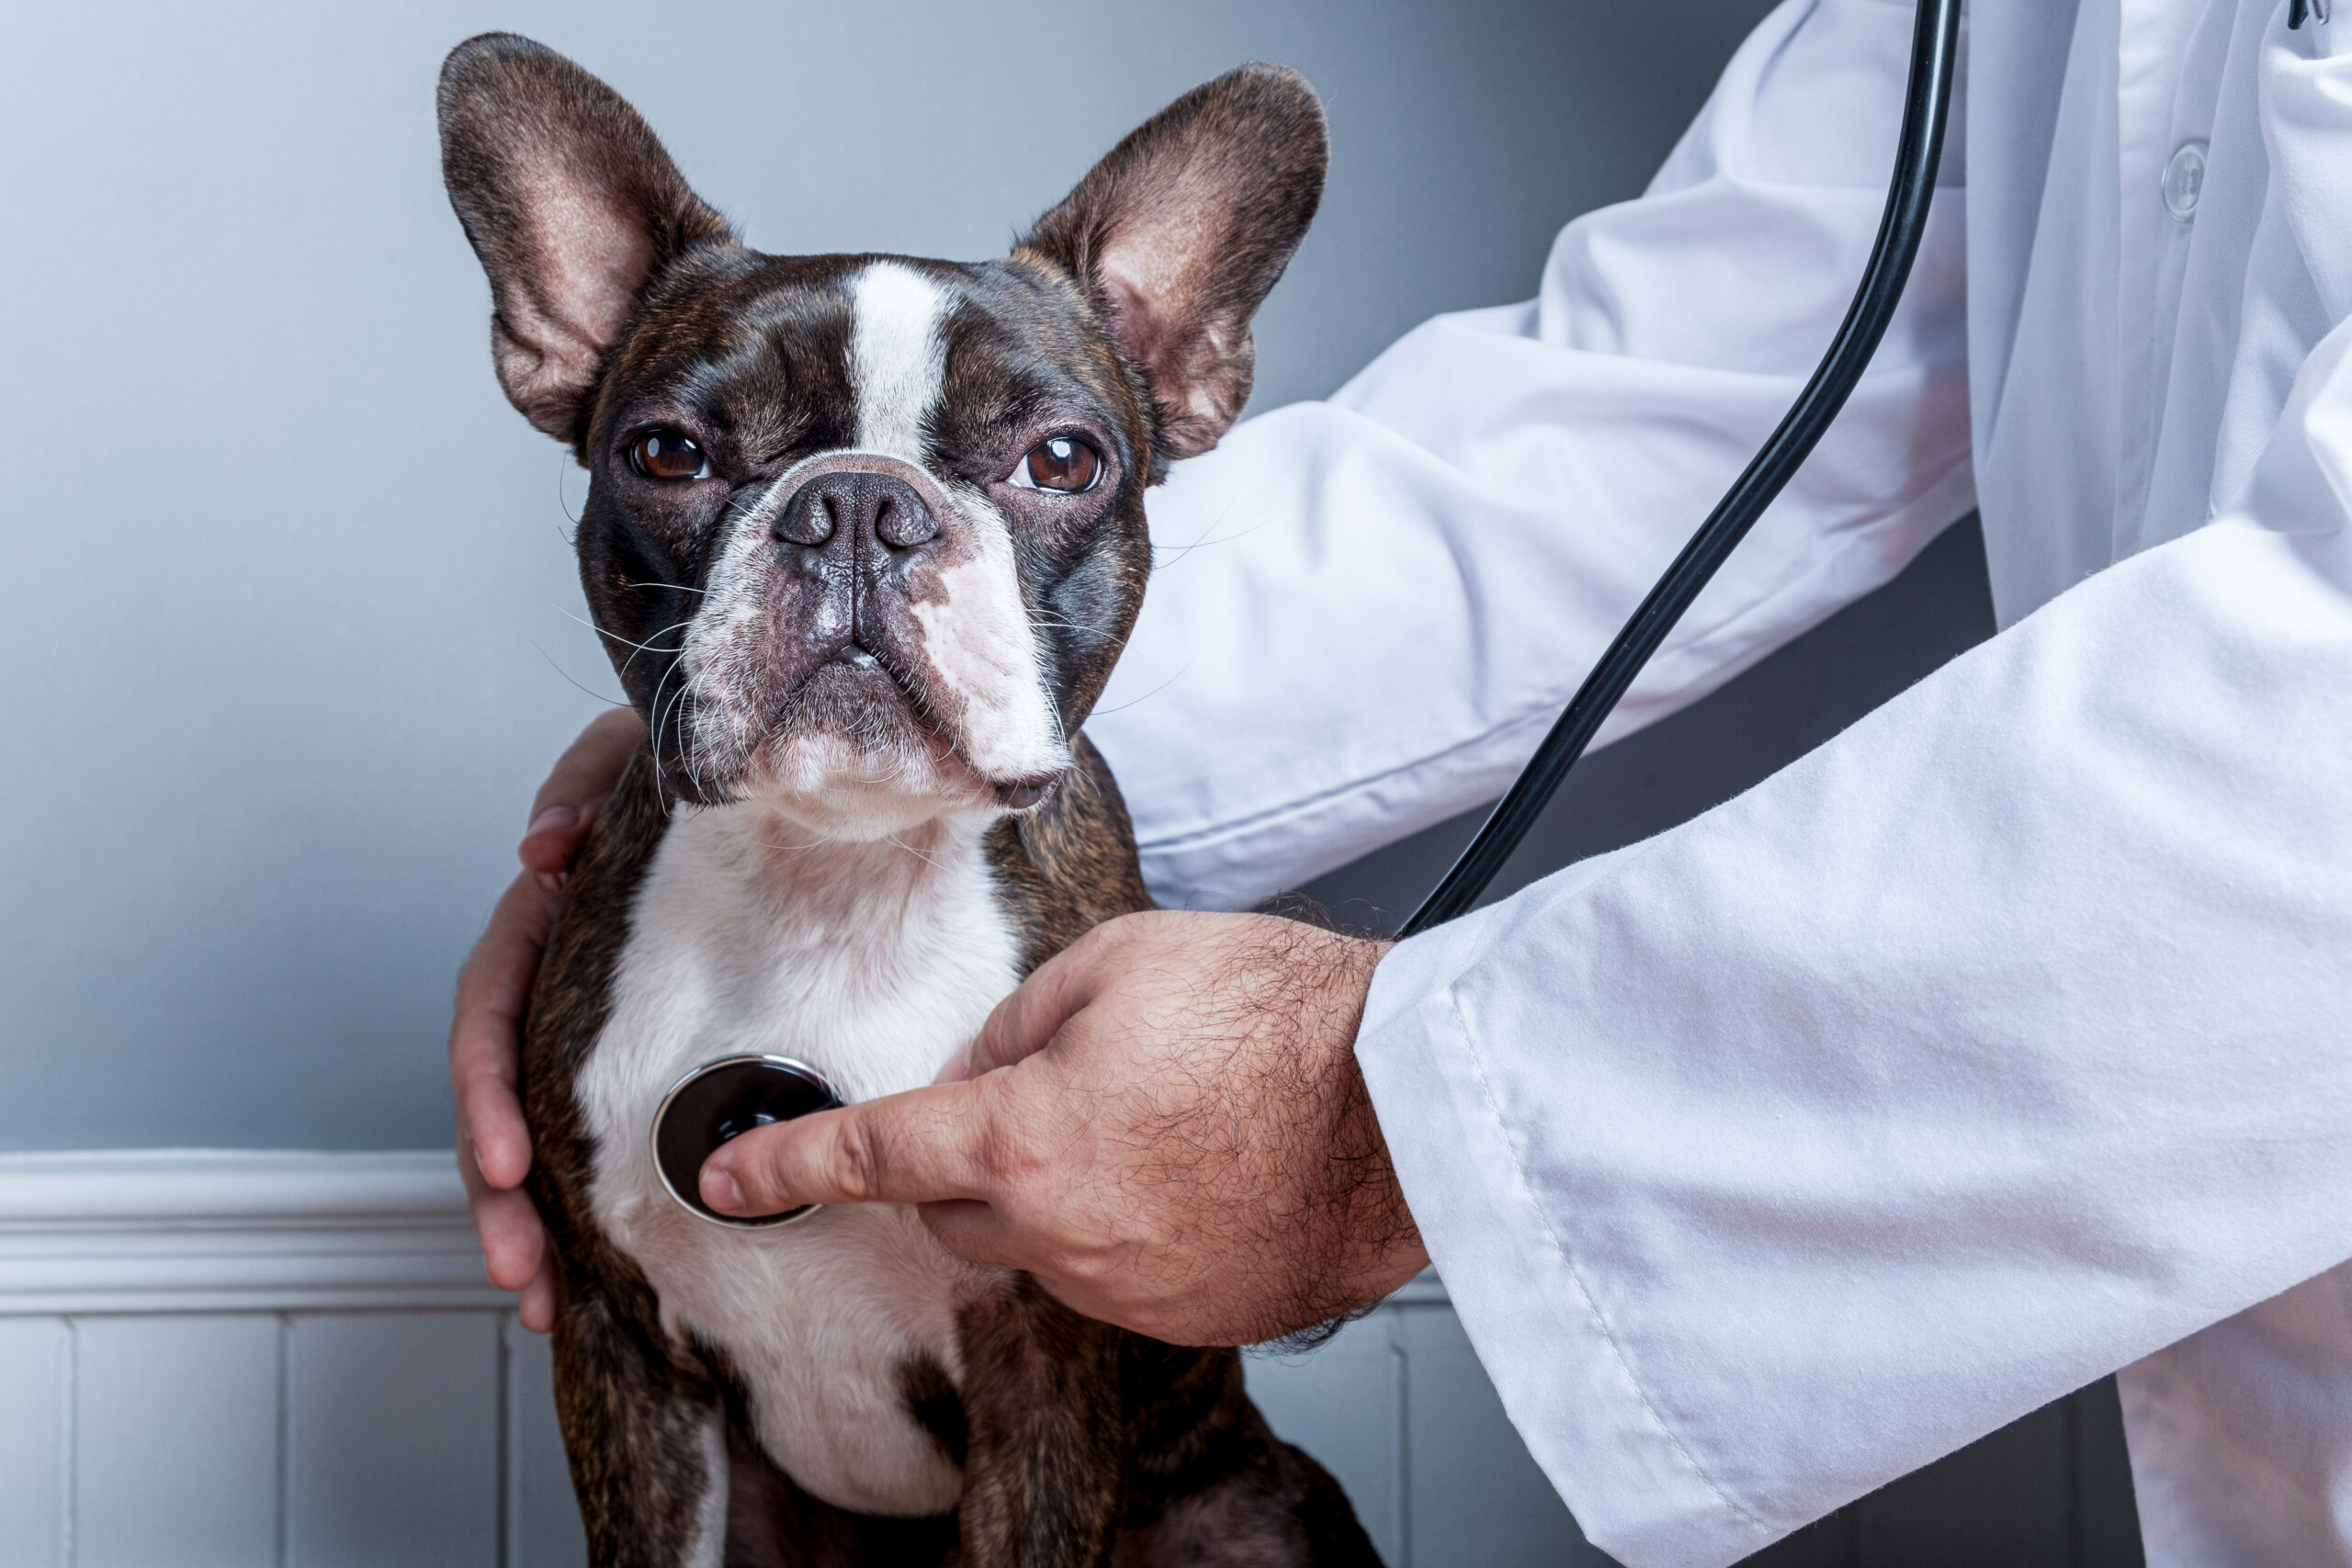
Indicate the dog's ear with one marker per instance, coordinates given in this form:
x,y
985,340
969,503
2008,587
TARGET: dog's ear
x,y
1183,229
572,206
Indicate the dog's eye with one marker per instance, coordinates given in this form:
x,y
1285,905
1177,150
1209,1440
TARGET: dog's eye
x,y
666,455
1062,463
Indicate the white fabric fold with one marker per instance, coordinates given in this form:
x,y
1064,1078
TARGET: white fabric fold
x,y
1998,1044
1377,604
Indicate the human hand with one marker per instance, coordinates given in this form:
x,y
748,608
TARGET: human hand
x,y
1165,1124
485,1037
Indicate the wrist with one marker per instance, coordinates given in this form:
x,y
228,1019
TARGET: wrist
x,y
1380,1246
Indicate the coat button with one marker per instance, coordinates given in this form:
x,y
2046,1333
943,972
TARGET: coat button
x,y
2184,180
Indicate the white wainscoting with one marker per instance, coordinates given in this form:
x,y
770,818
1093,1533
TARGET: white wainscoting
x,y
291,1361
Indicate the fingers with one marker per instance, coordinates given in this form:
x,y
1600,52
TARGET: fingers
x,y
485,1065
917,1148
1026,1021
485,1035
514,1250
513,1243
566,806
485,1038
536,1309
976,1233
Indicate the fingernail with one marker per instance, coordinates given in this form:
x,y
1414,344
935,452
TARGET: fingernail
x,y
958,1068
553,819
720,1192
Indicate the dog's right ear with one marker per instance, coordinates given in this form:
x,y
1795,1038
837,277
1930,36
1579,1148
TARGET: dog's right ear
x,y
572,206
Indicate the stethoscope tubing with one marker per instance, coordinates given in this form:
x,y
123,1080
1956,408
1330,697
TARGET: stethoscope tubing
x,y
1919,152
1926,102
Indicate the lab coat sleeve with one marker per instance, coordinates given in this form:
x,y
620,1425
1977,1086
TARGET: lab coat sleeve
x,y
2001,1041
1365,612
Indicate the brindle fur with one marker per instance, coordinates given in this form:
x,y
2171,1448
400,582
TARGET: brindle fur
x,y
1082,1444
1069,865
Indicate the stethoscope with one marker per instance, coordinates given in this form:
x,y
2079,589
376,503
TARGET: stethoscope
x,y
722,1100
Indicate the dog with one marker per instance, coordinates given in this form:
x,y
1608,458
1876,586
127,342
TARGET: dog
x,y
864,536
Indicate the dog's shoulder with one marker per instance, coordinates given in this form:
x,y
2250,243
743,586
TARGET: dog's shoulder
x,y
1069,864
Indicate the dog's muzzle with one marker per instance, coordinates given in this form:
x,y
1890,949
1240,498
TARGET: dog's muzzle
x,y
724,1100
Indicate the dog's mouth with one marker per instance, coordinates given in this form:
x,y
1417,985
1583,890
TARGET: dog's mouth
x,y
862,674
948,751
841,656
856,721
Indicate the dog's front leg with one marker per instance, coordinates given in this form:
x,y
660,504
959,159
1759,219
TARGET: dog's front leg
x,y
646,1436
1045,1475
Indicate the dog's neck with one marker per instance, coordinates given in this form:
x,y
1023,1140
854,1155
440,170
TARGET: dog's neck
x,y
851,877
871,959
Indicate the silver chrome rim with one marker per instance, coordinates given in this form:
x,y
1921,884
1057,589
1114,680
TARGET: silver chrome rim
x,y
693,1205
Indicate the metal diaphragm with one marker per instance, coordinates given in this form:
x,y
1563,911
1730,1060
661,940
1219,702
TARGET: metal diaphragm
x,y
724,1100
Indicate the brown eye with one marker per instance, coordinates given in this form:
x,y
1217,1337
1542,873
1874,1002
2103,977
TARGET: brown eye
x,y
666,455
1062,463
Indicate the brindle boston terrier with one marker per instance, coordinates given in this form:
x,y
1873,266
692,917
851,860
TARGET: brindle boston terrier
x,y
863,535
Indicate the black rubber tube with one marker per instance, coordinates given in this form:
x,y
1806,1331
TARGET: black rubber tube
x,y
1934,45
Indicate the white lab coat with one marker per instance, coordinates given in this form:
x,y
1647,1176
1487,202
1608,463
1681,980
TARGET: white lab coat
x,y
2001,1042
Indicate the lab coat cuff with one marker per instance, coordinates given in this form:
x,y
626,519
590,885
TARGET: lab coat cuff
x,y
1509,1269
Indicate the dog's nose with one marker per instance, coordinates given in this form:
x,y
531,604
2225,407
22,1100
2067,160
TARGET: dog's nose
x,y
856,505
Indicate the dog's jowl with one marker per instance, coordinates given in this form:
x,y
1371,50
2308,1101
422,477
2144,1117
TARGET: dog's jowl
x,y
864,536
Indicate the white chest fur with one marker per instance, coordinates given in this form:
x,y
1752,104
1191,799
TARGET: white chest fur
x,y
872,963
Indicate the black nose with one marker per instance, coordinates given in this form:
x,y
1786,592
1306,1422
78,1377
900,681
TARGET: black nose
x,y
855,505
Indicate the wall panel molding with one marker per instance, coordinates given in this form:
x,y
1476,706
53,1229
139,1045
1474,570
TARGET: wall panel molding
x,y
293,1359
204,1230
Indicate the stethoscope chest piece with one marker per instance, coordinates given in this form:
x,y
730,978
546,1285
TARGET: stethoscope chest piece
x,y
724,1100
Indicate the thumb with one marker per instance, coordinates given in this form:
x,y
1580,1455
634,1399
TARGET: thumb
x,y
919,1147
1026,1021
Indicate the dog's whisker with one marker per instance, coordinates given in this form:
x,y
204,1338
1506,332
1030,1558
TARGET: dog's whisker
x,y
1153,692
567,675
625,642
654,731
927,859
1095,632
563,504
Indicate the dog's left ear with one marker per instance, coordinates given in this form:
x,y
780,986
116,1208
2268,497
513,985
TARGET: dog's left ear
x,y
1183,229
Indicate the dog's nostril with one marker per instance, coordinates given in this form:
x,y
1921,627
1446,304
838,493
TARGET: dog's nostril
x,y
903,523
808,519
858,508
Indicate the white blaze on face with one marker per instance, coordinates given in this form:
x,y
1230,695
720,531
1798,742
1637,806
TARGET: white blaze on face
x,y
719,665
978,637
985,673
984,649
896,356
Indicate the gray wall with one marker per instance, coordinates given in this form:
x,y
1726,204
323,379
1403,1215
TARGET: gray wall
x,y
292,601
290,598
292,604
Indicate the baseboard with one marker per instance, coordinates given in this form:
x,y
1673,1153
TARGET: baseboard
x,y
233,1230
296,1356
212,1230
